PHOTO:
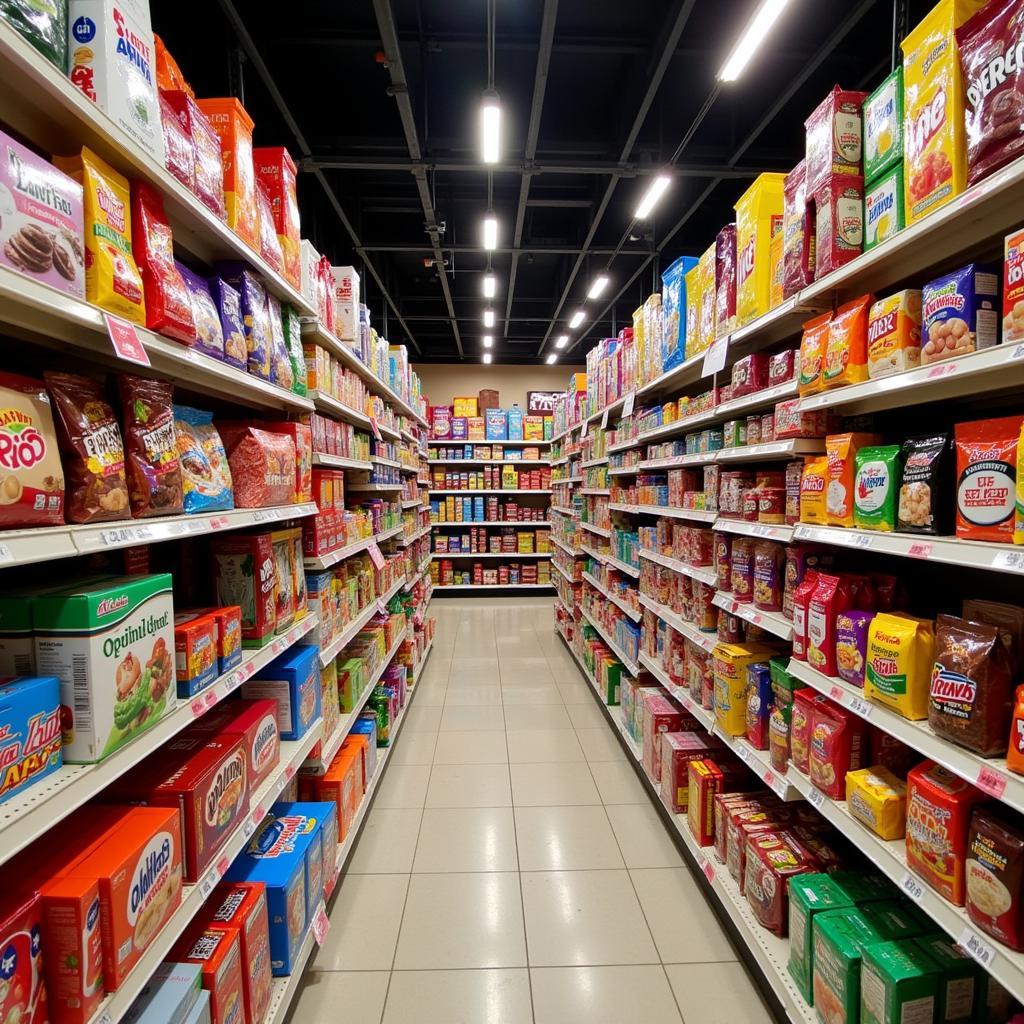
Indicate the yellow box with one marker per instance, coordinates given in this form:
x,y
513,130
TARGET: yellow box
x,y
475,429
878,799
934,138
901,652
730,666
706,266
758,217
648,355
509,478
465,406
533,428
577,383
693,340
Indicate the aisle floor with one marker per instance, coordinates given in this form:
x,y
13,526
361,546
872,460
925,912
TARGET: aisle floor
x,y
512,869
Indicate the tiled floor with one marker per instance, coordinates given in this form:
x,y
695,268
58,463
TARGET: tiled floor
x,y
512,869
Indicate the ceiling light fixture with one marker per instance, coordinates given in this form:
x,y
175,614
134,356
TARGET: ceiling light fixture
x,y
488,340
490,286
654,192
753,36
599,285
490,128
487,357
577,319
551,359
488,318
563,340
490,232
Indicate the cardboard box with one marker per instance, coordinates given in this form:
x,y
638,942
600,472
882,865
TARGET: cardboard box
x,y
293,680
487,399
30,725
465,407
496,425
168,997
245,573
243,908
219,956
346,303
195,653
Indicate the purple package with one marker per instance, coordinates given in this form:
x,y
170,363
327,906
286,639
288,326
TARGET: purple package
x,y
280,362
229,307
40,220
852,645
209,339
960,313
255,321
460,428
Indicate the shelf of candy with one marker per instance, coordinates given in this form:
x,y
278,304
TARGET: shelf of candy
x,y
446,573
595,479
492,478
619,588
483,509
678,490
621,550
612,370
479,419
624,463
330,534
683,549
565,532
483,453
480,540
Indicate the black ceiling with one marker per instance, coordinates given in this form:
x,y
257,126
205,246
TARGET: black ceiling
x,y
626,82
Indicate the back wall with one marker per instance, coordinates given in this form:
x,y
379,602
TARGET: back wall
x,y
443,381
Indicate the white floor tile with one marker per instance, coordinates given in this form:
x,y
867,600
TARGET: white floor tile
x,y
600,744
717,994
362,993
587,716
574,690
466,839
479,747
460,921
552,785
473,717
474,669
421,718
536,716
617,782
431,694
416,748
405,785
643,838
602,995
469,785
569,838
528,671
458,997
536,695
364,924
531,746
387,843
478,694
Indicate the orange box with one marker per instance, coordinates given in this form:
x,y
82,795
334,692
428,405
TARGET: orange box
x,y
139,870
234,129
362,743
218,951
243,908
275,171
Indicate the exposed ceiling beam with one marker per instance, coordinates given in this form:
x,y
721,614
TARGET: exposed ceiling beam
x,y
247,44
400,90
671,31
504,250
540,82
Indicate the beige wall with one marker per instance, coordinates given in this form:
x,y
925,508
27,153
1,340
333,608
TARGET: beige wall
x,y
443,381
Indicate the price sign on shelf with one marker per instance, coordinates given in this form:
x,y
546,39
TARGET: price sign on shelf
x,y
375,428
990,781
912,887
816,797
375,555
714,358
836,694
321,924
207,885
6,555
198,707
124,337
584,429
627,405
972,943
860,707
604,419
918,550
1009,561
941,370
381,606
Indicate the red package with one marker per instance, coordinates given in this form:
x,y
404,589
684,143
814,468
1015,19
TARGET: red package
x,y
262,465
154,470
725,281
749,374
244,570
302,439
891,753
219,953
836,747
705,781
838,222
242,907
22,994
989,45
801,613
255,721
725,805
168,305
325,293
209,166
772,859
275,171
800,727
831,596
834,134
797,233
986,470
769,559
678,749
179,156
269,245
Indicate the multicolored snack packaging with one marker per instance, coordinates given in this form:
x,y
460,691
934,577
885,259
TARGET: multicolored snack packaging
x,y
839,222
758,215
884,208
960,313
883,126
986,478
233,126
218,951
31,729
813,345
841,452
243,908
875,487
894,333
901,652
846,356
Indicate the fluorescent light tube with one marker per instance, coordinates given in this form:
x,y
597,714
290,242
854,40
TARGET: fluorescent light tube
x,y
490,286
552,358
654,192
490,232
490,128
577,319
753,36
488,341
487,357
488,318
599,285
563,340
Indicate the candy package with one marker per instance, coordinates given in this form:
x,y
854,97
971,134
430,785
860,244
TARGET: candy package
x,y
875,487
205,473
812,354
262,465
209,337
153,467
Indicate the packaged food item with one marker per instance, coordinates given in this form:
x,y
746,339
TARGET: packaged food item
x,y
1008,620
846,355
800,727
959,979
884,208
758,216
42,224
280,359
293,680
243,908
725,280
741,578
229,308
768,576
841,452
205,473
813,344
111,60
255,318
897,981
838,222
813,487
876,798
31,726
801,610
852,645
168,307
837,745
275,171
809,895
772,859
960,313
233,126
208,335
749,374
883,126
1013,287
168,74
704,783
245,575
262,465
797,233
195,654
794,483
268,245
293,341
90,441
924,499
170,996
834,134
971,697
986,468
839,937
255,723
218,953
112,280
995,874
894,334
901,652
46,28
154,471
730,668
875,487
209,167
1015,754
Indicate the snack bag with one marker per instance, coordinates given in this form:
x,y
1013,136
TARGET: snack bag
x,y
112,280
852,645
205,473
834,137
206,150
986,468
813,485
93,453
925,499
837,744
894,334
280,358
1018,514
838,222
831,595
262,465
209,337
293,341
883,126
725,280
706,268
179,156
841,452
934,164
846,356
275,171
168,74
797,236
875,487
44,26
1015,755
758,215
229,308
233,126
901,652
154,471
813,344
960,313
995,869
255,320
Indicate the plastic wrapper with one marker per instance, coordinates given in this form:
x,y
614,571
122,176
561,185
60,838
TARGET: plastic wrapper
x,y
205,473
153,468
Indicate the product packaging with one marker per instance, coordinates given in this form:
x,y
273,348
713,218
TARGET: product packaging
x,y
876,485
242,907
901,652
30,724
293,681
218,953
883,128
960,313
244,570
46,28
229,119
894,334
758,215
797,233
986,478
152,464
206,149
846,354
838,223
834,138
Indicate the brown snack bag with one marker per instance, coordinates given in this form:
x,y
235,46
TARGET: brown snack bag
x,y
1007,618
154,470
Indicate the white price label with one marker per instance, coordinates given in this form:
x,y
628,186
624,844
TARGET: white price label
x,y
743,751
604,419
762,531
5,554
207,885
802,533
248,828
912,887
777,783
105,1018
714,358
1011,561
977,947
1018,352
860,707
816,797
627,405
862,541
584,429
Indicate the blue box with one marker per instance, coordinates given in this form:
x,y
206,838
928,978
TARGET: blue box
x,y
478,510
514,421
311,818
169,997
31,731
673,311
293,680
201,1011
496,425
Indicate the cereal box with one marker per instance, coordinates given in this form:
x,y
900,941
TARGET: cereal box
x,y
243,907
883,127
195,653
23,998
496,425
692,281
293,681
245,573
30,733
840,937
706,313
758,216
219,954
959,313
168,997
111,646
839,222
934,139
884,207
1013,287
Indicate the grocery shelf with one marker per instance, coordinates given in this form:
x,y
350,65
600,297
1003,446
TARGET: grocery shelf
x,y
404,542
408,470
773,622
765,531
753,402
491,490
379,460
420,569
686,372
706,641
293,753
513,555
560,461
596,492
494,586
673,461
371,488
413,503
771,450
283,989
948,550
631,666
527,523
415,670
336,646
333,557
562,572
564,509
567,480
559,543
770,953
615,563
334,407
491,462
696,514
634,613
621,446
989,774
625,470
339,462
703,573
602,461
28,815
591,528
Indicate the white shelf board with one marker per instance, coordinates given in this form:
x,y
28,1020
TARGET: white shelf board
x,y
615,563
333,557
625,470
602,461
596,492
563,573
634,613
379,460
336,646
631,666
371,488
332,406
696,514
677,461
765,531
773,622
565,510
490,462
567,548
404,542
490,490
495,586
339,462
528,524
771,450
413,503
706,641
706,574
591,528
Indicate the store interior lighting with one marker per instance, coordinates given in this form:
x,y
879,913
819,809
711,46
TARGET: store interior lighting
x,y
753,36
598,287
487,357
488,340
490,232
654,192
488,318
577,319
490,128
552,358
490,285
563,340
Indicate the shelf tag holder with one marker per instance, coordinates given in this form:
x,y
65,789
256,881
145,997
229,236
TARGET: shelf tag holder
x,y
126,341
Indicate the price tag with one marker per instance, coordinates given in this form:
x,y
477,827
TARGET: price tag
x,y
862,541
941,370
991,782
604,419
222,866
920,551
860,707
321,924
218,522
972,943
802,533
709,870
211,698
375,428
382,607
258,814
836,694
5,554
198,707
289,772
1012,561
816,797
1018,352
248,828
912,887
627,405
126,341
744,752
584,429
762,531
714,358
373,550
207,885
105,1018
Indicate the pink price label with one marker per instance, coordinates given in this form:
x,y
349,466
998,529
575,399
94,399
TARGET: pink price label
x,y
257,815
222,866
836,694
941,370
126,341
198,707
709,870
321,924
289,772
991,782
211,699
769,778
920,550
382,607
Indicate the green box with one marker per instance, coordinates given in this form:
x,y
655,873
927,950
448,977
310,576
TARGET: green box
x,y
893,921
840,938
899,982
809,895
352,680
884,213
863,887
958,979
883,126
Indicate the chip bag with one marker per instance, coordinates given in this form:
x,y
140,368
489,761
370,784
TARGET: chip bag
x,y
813,344
846,353
987,481
153,466
894,333
901,652
841,452
813,484
876,486
205,473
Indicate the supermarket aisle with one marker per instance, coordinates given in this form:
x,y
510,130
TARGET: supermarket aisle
x,y
512,868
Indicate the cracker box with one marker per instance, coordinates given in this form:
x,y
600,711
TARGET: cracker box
x,y
758,216
244,570
960,313
840,937
883,127
195,653
958,979
496,425
243,906
139,871
31,742
219,955
834,137
1013,287
110,643
229,633
809,895
111,58
898,981
839,222
310,818
883,207
168,997
293,680
22,995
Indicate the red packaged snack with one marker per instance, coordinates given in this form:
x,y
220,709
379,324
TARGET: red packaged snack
x,y
302,438
725,805
660,715
92,450
243,908
179,156
772,859
749,374
275,171
269,244
22,993
989,44
741,577
678,749
797,233
705,781
834,137
836,747
154,472
218,951
168,306
801,613
209,166
995,874
255,721
245,574
986,474
831,596
768,575
800,728
839,222
725,281
262,465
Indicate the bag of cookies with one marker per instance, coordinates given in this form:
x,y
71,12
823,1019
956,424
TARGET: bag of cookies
x,y
90,442
925,502
154,471
960,313
205,473
837,743
841,453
